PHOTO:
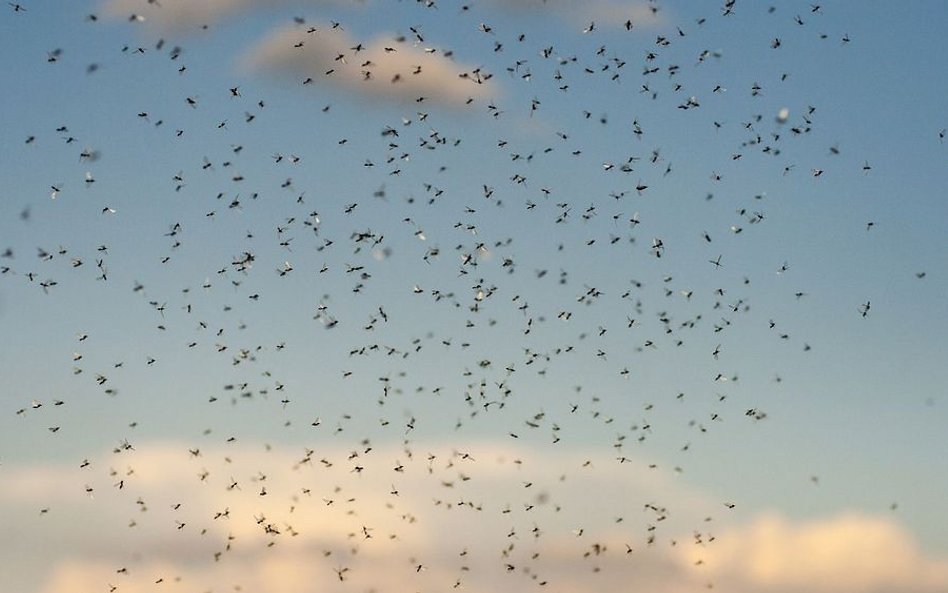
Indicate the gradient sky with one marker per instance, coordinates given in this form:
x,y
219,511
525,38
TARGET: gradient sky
x,y
444,269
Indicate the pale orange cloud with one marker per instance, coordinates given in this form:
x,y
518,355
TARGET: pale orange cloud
x,y
849,553
391,518
421,517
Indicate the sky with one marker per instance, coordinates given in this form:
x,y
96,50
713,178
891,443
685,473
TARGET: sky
x,y
414,296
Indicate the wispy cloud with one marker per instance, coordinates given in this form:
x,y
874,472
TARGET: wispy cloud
x,y
321,55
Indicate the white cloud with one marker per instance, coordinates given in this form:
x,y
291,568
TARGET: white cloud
x,y
176,15
604,13
381,67
167,16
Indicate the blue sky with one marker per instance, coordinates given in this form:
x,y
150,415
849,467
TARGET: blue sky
x,y
442,264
